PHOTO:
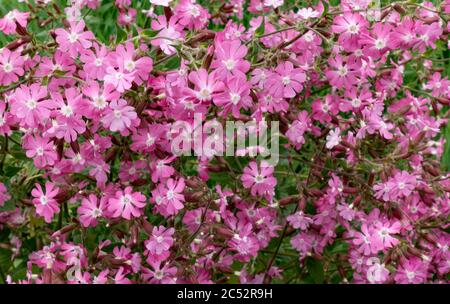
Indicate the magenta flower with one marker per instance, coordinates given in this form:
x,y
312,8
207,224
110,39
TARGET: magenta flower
x,y
11,66
95,63
140,67
45,202
350,27
260,180
206,85
168,196
91,209
119,116
4,195
343,72
376,44
192,15
412,271
286,81
168,35
119,78
41,149
299,220
229,59
236,95
28,103
8,22
126,204
160,241
76,40
403,183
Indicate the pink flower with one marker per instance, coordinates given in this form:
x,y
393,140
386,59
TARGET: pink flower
x,y
45,203
206,85
376,44
299,220
168,33
260,180
333,138
91,209
377,272
8,22
229,59
342,73
349,26
95,62
6,120
366,241
160,170
28,103
160,241
120,78
236,95
403,184
140,67
4,195
192,15
41,149
119,116
168,196
286,81
98,98
244,243
126,204
383,231
146,139
412,271
11,66
74,41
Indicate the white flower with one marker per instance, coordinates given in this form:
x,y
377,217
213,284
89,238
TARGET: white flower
x,y
333,138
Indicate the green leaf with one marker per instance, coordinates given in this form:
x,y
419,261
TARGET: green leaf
x,y
121,35
149,33
315,268
10,171
172,64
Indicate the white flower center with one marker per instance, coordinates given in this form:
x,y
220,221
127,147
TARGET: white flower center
x,y
380,44
130,65
342,71
7,67
259,178
98,62
235,98
204,94
353,28
73,37
66,110
117,114
286,80
229,64
100,102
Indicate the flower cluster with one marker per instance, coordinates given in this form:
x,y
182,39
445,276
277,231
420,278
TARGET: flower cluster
x,y
90,183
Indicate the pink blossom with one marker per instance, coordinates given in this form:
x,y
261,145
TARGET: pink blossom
x,y
45,202
260,180
126,204
74,41
91,209
286,81
119,116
